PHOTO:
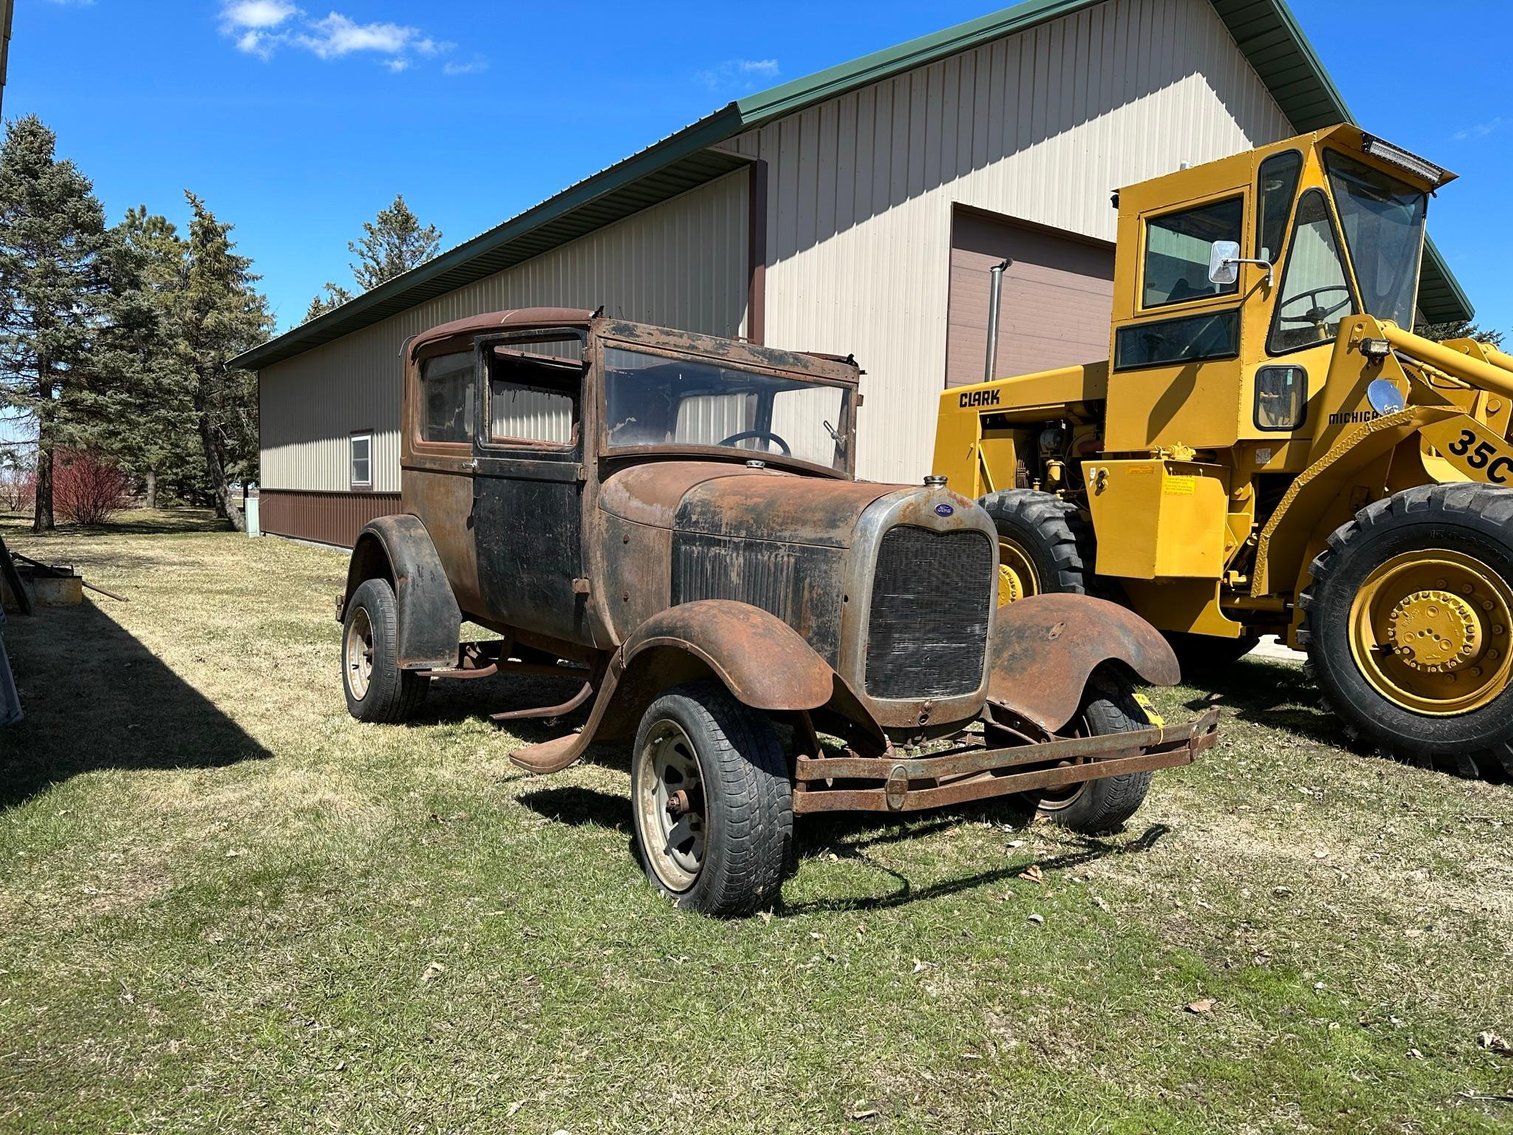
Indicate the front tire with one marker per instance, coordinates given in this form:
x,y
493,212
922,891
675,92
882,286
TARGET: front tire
x,y
377,689
712,801
1100,807
1408,624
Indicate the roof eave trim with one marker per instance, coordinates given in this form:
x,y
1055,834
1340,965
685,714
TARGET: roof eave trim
x,y
716,127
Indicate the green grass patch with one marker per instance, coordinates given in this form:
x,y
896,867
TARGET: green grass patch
x,y
230,907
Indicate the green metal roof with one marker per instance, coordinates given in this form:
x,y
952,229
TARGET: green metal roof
x,y
1265,31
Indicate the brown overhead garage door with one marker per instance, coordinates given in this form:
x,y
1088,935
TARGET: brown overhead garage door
x,y
1057,297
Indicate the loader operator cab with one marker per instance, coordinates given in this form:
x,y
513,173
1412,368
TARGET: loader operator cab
x,y
1247,266
1270,449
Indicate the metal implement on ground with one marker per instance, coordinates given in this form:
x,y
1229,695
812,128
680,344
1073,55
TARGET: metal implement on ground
x,y
671,523
1269,449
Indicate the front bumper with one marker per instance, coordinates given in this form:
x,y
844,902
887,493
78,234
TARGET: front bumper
x,y
829,784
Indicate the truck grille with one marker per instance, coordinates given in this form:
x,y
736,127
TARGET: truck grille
x,y
931,599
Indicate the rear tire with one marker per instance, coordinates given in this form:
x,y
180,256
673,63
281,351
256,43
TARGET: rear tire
x,y
712,800
1044,545
377,690
1408,624
1100,807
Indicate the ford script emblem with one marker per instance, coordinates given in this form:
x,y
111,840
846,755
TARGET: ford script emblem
x,y
944,510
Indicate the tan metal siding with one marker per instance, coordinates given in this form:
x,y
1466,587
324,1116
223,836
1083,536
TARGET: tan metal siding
x,y
1038,126
682,263
1058,296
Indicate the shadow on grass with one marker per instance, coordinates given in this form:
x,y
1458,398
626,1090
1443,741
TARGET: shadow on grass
x,y
96,698
1274,694
127,522
580,807
905,892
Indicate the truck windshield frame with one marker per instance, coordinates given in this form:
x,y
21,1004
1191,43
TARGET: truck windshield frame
x,y
671,403
1383,223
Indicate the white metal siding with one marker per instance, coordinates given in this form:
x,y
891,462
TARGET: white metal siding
x,y
1039,126
682,263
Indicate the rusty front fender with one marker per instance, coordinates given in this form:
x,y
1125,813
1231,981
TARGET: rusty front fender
x,y
760,659
399,549
1045,647
763,661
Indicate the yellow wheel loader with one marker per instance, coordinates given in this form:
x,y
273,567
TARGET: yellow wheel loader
x,y
1270,450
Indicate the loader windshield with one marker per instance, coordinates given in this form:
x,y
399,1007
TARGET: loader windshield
x,y
1383,221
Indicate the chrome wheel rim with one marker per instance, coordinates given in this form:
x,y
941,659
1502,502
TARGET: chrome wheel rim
x,y
359,652
670,806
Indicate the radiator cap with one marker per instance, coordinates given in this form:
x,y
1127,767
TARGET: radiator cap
x,y
935,481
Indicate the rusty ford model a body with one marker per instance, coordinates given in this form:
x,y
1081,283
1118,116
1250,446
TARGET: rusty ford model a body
x,y
672,521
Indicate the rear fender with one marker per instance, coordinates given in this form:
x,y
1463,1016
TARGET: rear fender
x,y
399,549
1044,648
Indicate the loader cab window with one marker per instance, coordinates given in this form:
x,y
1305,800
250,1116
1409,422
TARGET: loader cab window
x,y
1176,252
446,398
1315,293
1281,398
1277,186
1383,221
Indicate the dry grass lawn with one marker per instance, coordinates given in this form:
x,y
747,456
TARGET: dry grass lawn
x,y
229,907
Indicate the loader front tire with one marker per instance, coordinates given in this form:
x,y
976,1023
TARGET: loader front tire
x,y
1408,624
1044,545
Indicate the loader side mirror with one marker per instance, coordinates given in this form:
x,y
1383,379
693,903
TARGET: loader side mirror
x,y
1223,262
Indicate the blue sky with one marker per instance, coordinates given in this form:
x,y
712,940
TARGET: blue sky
x,y
298,121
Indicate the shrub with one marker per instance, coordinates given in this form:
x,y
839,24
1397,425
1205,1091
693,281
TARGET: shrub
x,y
18,488
87,488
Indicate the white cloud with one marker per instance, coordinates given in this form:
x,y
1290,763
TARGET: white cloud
x,y
258,13
261,27
739,75
1478,130
473,67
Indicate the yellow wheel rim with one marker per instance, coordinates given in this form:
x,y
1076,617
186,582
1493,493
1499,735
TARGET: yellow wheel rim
x,y
1016,573
1430,632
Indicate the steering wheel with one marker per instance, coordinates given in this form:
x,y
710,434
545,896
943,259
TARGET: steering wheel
x,y
1317,313
768,434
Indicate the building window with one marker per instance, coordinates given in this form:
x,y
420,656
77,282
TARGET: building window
x,y
1176,252
362,461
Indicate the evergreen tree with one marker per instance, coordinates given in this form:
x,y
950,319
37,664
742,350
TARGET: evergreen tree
x,y
153,425
335,295
54,253
1458,329
392,243
219,315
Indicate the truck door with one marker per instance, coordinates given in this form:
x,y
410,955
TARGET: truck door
x,y
528,485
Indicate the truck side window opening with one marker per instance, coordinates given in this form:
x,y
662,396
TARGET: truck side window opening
x,y
534,393
1278,185
1281,398
1315,293
1176,252
446,383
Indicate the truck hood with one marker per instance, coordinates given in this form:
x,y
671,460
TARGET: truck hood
x,y
719,499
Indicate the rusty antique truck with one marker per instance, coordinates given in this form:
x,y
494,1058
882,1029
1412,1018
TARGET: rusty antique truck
x,y
672,520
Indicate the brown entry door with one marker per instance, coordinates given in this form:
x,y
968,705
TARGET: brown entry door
x,y
1056,304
